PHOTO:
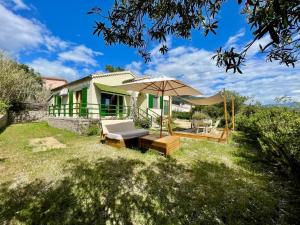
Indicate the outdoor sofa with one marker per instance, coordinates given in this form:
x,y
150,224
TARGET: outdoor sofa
x,y
121,133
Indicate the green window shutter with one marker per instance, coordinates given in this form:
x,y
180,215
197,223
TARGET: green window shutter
x,y
161,102
150,101
58,102
83,109
71,103
55,100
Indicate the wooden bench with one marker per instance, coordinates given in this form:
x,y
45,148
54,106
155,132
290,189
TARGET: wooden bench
x,y
165,144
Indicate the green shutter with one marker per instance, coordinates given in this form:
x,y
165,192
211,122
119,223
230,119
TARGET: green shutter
x,y
83,108
58,99
150,101
71,103
161,102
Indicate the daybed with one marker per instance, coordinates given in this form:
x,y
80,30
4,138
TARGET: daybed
x,y
121,133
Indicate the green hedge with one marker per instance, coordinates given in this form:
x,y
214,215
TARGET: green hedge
x,y
276,133
181,115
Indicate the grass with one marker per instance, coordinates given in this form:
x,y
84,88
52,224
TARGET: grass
x,y
91,183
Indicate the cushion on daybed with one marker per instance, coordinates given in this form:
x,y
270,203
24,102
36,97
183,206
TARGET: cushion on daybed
x,y
125,135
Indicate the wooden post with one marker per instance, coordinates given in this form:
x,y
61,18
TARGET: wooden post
x,y
162,110
169,123
226,116
232,109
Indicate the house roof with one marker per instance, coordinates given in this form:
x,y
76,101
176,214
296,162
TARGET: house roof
x,y
125,72
95,75
73,82
54,78
109,89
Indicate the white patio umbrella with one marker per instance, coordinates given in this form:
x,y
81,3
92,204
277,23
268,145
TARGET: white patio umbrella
x,y
162,86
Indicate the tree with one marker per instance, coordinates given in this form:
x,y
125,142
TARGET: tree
x,y
111,69
134,23
19,84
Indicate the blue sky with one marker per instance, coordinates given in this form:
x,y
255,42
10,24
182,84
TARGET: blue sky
x,y
55,38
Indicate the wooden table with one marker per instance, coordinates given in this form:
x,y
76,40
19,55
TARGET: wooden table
x,y
165,144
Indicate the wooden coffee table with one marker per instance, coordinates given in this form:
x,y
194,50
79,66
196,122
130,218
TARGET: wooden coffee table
x,y
165,144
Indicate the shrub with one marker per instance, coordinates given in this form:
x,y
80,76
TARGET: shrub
x,y
181,115
144,122
93,129
3,107
19,84
276,132
200,116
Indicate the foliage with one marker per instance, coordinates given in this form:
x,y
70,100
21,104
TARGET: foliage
x,y
111,69
199,116
3,107
276,132
143,122
93,129
133,23
18,84
91,183
181,115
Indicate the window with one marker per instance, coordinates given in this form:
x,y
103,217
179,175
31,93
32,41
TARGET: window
x,y
155,102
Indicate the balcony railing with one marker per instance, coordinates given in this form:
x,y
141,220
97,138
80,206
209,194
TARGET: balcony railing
x,y
88,110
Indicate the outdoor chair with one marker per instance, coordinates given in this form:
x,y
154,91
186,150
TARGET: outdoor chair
x,y
203,124
213,129
121,133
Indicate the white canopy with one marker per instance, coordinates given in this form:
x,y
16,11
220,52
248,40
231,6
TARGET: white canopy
x,y
215,99
160,86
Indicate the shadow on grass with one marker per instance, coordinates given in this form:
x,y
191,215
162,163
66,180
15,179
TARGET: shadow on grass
x,y
121,191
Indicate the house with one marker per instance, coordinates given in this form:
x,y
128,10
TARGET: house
x,y
181,107
53,82
96,96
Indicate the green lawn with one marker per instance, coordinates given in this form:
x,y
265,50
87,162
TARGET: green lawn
x,y
91,183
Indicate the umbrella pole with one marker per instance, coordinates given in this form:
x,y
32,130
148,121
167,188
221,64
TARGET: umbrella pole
x,y
161,113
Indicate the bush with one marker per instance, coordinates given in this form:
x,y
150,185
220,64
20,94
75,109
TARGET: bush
x,y
276,132
3,107
93,129
144,123
200,116
181,115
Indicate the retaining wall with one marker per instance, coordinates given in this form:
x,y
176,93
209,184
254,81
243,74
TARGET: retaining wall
x,y
77,125
27,116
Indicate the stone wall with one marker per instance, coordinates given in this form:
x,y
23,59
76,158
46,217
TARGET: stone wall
x,y
3,121
27,116
77,125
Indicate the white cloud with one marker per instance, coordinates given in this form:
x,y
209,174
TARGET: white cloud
x,y
232,41
53,43
15,4
135,67
21,34
260,79
19,4
18,33
80,54
54,68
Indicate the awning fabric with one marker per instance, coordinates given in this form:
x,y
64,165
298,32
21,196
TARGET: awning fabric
x,y
160,86
215,99
63,91
111,90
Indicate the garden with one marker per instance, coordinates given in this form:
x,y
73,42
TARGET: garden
x,y
82,181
